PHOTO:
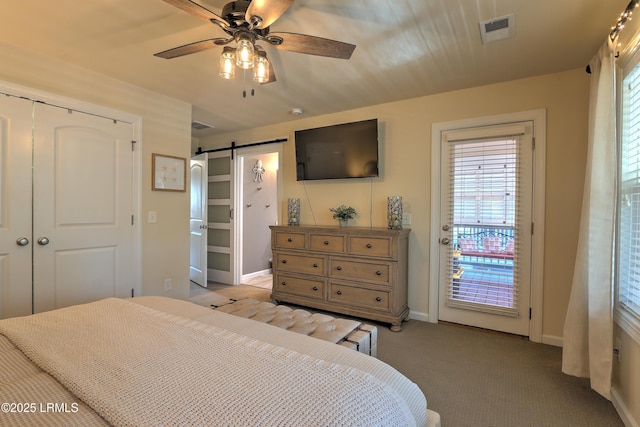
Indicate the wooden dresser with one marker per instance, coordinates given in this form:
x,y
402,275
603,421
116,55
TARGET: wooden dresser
x,y
359,272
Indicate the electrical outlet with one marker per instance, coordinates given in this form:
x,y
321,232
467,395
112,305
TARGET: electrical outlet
x,y
168,284
617,349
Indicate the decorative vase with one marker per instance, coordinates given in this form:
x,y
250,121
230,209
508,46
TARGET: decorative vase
x,y
293,212
394,212
344,222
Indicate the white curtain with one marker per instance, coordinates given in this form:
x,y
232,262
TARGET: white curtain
x,y
588,328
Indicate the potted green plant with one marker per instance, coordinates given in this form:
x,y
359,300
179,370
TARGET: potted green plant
x,y
343,213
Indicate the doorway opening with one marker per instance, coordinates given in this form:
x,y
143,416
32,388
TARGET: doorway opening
x,y
235,196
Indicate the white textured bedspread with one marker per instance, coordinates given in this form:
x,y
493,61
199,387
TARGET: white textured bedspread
x,y
136,366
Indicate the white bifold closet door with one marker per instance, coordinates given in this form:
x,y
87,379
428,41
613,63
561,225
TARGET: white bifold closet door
x,y
66,208
15,207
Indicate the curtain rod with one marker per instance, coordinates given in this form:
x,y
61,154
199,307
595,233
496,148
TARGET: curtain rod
x,y
234,147
624,17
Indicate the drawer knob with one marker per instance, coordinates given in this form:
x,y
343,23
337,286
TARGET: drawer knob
x,y
378,273
315,265
338,268
284,283
339,292
378,299
315,288
284,261
369,245
326,242
289,240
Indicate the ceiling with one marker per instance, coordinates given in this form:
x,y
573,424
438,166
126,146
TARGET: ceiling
x,y
405,49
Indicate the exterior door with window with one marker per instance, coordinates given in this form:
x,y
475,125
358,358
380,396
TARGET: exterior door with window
x,y
486,227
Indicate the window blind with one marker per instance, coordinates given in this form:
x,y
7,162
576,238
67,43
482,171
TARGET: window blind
x,y
628,271
484,204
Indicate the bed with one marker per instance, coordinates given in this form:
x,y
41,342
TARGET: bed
x,y
152,361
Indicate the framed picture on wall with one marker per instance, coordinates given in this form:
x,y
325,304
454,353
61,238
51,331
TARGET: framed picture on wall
x,y
169,173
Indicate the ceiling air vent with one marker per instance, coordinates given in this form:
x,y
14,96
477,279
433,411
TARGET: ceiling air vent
x,y
200,126
497,29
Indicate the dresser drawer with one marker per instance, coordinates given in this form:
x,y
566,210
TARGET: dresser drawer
x,y
288,240
360,297
344,268
307,264
370,246
308,287
327,243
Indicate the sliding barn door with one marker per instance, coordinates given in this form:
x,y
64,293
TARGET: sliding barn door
x,y
220,218
82,225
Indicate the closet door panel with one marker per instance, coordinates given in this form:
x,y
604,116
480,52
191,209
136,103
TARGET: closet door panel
x,y
15,206
82,208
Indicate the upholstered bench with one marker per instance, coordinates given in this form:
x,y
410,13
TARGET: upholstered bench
x,y
349,333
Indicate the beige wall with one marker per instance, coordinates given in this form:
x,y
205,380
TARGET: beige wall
x,y
405,170
165,129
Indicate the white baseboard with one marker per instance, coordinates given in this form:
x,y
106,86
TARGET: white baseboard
x,y
622,409
552,340
256,274
416,315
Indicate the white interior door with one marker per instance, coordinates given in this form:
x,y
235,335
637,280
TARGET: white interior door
x,y
220,218
83,208
15,206
486,226
198,220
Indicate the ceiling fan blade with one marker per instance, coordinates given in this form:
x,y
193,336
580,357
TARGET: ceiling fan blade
x,y
262,13
198,11
312,45
188,49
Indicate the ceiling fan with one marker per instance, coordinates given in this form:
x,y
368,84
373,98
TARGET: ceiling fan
x,y
247,23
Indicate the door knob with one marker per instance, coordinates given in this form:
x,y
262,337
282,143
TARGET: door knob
x,y
445,241
22,241
43,241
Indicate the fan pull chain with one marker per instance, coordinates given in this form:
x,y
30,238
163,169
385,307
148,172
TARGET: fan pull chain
x,y
244,83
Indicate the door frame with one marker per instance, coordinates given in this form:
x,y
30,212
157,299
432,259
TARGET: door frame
x,y
241,153
136,138
538,117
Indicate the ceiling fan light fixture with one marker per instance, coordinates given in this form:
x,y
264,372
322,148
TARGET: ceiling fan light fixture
x,y
245,55
261,67
228,63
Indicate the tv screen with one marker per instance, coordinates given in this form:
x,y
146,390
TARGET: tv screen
x,y
348,150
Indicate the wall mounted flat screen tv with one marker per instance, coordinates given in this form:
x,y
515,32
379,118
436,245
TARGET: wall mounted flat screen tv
x,y
348,150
